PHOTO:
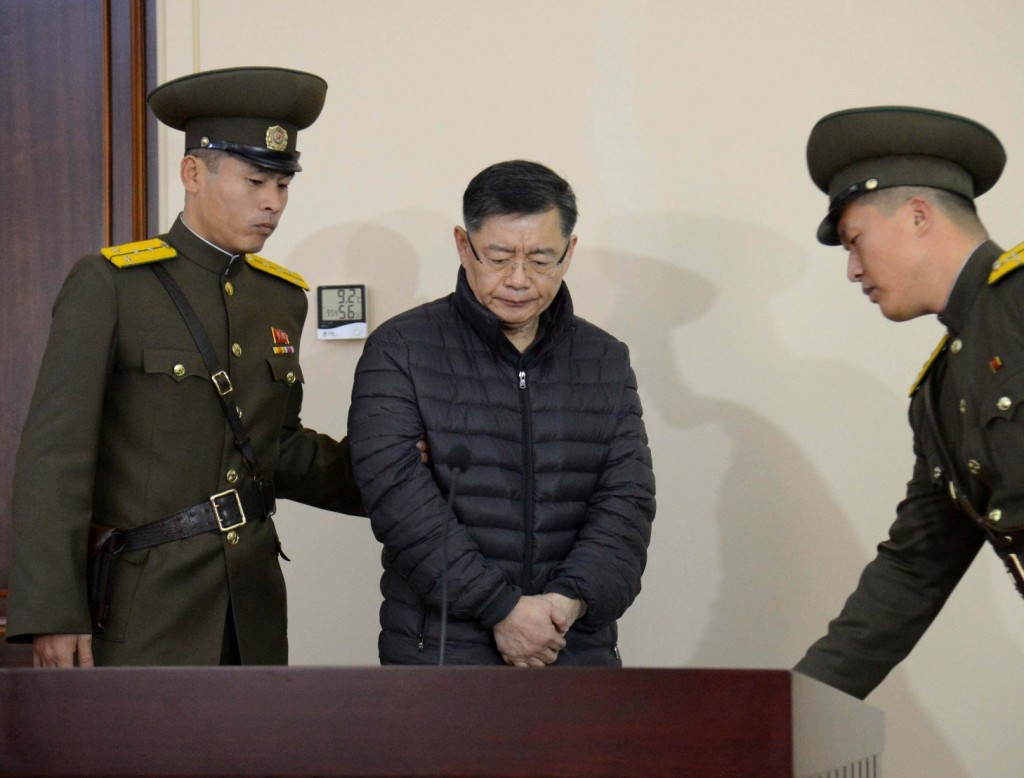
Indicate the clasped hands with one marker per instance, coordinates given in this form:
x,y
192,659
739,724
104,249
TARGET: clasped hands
x,y
534,632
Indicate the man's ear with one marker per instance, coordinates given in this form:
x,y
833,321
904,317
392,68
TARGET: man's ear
x,y
462,246
922,212
191,172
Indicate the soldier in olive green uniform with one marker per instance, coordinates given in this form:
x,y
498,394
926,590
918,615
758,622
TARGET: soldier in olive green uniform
x,y
126,428
902,182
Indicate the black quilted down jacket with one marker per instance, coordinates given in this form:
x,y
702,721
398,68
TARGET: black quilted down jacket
x,y
558,495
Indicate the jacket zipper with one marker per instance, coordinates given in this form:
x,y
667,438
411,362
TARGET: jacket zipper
x,y
524,406
421,641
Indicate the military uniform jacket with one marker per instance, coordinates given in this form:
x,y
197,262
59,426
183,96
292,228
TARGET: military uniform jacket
x,y
977,382
125,428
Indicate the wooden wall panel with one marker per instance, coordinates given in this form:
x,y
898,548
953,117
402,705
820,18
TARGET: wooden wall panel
x,y
73,157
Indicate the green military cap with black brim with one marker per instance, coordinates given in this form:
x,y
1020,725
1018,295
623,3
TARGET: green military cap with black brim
x,y
861,150
252,112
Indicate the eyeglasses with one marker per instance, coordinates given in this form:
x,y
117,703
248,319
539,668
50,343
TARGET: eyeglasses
x,y
543,268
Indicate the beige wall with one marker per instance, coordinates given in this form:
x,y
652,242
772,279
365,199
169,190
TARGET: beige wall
x,y
775,395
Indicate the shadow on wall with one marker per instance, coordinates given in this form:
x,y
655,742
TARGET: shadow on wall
x,y
336,568
380,255
756,538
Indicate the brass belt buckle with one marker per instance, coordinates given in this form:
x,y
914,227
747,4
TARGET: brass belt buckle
x,y
216,509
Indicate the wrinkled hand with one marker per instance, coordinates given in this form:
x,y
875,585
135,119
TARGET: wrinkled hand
x,y
565,611
527,637
60,650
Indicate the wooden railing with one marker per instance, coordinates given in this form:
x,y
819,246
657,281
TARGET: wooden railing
x,y
408,721
11,655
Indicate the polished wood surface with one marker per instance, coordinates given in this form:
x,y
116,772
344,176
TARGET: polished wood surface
x,y
400,722
11,655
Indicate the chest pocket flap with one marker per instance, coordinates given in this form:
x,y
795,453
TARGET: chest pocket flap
x,y
175,363
1002,401
285,368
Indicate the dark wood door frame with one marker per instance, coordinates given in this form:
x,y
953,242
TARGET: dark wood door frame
x,y
77,172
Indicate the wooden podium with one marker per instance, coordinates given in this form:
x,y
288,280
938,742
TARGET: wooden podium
x,y
317,721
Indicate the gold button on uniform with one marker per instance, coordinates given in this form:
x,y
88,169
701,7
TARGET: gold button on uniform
x,y
232,476
179,370
973,466
956,345
229,288
236,350
290,378
232,538
995,515
1004,403
963,406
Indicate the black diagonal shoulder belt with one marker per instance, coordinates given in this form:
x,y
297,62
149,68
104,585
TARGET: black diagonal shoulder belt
x,y
1008,543
220,512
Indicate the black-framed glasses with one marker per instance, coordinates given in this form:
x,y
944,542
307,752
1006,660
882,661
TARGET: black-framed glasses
x,y
535,267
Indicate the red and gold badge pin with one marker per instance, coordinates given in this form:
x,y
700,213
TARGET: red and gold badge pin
x,y
281,343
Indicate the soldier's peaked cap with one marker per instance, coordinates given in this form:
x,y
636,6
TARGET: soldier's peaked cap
x,y
252,112
852,152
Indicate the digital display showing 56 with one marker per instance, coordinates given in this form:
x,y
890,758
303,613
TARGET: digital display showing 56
x,y
341,305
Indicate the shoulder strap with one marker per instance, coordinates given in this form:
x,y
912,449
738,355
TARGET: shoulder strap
x,y
272,268
1007,263
221,381
141,252
928,365
1008,543
960,498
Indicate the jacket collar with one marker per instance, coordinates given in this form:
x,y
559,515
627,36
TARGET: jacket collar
x,y
555,323
971,280
194,248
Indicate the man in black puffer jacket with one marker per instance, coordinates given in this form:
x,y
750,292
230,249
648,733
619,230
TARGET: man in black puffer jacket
x,y
552,516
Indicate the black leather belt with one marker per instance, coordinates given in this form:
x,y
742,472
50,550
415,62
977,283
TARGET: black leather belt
x,y
220,513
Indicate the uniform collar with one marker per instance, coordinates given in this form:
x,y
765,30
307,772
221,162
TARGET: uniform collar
x,y
972,279
197,249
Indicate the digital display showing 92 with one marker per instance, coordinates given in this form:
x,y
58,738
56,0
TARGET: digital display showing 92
x,y
341,305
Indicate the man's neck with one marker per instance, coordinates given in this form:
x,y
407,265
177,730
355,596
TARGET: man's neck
x,y
957,248
522,337
210,243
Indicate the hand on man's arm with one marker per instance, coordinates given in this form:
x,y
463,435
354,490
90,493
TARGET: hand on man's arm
x,y
528,637
60,650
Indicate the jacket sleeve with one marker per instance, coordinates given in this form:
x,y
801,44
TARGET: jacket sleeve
x,y
55,468
313,468
930,547
406,503
608,558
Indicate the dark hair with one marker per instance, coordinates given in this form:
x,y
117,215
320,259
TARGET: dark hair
x,y
518,187
960,210
211,157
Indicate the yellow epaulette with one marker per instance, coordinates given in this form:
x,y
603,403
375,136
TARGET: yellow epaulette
x,y
928,365
141,252
267,266
1006,264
